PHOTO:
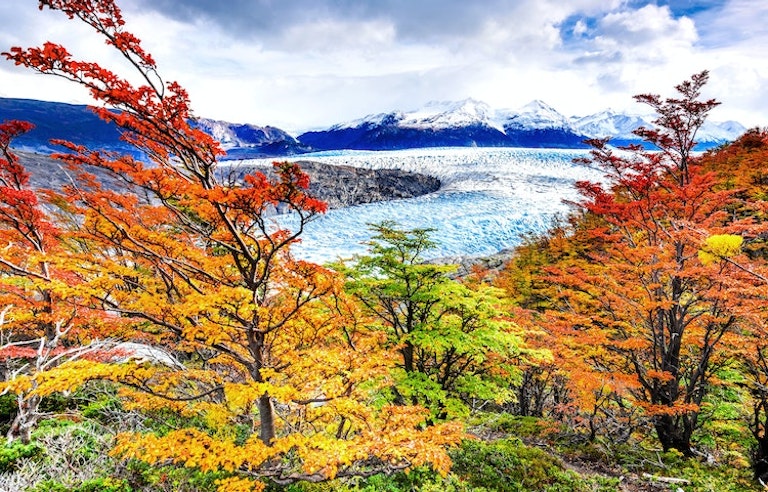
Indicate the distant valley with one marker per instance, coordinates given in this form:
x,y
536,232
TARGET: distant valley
x,y
467,123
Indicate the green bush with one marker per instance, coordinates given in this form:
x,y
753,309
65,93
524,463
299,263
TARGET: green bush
x,y
509,465
8,411
145,477
101,409
10,454
420,479
94,485
514,425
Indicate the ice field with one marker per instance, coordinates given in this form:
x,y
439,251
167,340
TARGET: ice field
x,y
489,198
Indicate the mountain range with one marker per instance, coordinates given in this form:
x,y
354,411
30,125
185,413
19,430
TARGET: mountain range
x,y
466,123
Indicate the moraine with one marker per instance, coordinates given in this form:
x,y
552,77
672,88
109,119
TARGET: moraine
x,y
489,200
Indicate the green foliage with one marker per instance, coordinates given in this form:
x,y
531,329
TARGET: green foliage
x,y
99,401
57,403
509,465
144,477
514,425
726,471
727,476
90,441
420,479
455,341
8,410
94,485
10,454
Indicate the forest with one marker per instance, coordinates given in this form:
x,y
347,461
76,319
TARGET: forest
x,y
162,337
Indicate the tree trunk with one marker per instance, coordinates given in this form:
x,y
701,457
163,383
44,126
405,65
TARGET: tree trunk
x,y
266,411
25,420
408,357
266,419
674,433
760,459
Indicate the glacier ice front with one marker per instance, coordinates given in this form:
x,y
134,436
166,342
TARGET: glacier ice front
x,y
489,199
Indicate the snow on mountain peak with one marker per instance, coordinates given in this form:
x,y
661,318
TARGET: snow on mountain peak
x,y
534,115
448,114
371,120
609,123
232,135
713,131
620,126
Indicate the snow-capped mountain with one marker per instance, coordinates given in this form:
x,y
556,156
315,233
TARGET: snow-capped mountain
x,y
609,123
620,128
449,114
720,132
536,115
250,141
538,125
474,123
466,123
433,115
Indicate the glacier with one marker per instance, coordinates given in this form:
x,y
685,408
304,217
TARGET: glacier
x,y
490,198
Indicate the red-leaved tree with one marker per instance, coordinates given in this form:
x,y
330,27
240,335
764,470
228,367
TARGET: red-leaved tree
x,y
656,318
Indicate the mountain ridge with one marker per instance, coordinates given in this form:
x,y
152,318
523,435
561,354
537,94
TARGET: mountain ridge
x,y
465,123
474,123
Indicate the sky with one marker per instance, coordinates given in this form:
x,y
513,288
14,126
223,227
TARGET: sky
x,y
308,64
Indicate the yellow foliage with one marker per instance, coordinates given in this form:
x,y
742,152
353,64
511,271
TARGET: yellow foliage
x,y
720,246
187,447
238,484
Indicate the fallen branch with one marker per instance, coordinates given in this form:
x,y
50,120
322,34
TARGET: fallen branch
x,y
657,478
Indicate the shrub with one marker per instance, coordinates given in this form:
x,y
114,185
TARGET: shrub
x,y
509,465
12,454
93,485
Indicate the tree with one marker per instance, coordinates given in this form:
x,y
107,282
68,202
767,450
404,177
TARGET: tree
x,y
661,317
45,323
195,263
741,167
454,342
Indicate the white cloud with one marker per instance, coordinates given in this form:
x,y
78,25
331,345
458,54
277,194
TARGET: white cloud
x,y
580,28
309,63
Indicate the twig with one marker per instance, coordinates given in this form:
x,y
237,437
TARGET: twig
x,y
656,478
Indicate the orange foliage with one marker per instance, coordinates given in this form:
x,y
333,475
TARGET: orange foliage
x,y
196,264
637,302
46,321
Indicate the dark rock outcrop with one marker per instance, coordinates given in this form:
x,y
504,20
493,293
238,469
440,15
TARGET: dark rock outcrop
x,y
343,186
46,172
338,186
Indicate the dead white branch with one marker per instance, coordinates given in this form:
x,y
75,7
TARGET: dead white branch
x,y
672,480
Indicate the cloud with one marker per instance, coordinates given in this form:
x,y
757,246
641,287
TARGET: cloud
x,y
650,34
414,21
308,63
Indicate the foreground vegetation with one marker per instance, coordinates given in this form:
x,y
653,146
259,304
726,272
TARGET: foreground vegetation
x,y
506,453
164,338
